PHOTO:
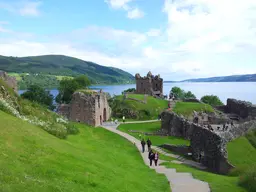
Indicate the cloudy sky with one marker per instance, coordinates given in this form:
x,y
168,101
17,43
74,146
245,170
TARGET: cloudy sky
x,y
178,39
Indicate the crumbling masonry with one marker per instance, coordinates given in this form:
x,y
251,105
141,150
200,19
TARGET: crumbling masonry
x,y
10,81
91,108
151,85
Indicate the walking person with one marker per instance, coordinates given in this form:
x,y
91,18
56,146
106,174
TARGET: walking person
x,y
143,143
149,144
123,119
151,156
156,157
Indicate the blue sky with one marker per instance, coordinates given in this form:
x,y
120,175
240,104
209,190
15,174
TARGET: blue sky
x,y
178,39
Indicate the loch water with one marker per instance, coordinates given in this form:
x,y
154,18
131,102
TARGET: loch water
x,y
238,90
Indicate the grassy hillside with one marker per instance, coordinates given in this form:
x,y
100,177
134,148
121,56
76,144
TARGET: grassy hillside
x,y
187,108
60,65
95,160
136,110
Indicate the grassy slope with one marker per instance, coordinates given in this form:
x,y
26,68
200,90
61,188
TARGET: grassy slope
x,y
187,108
241,153
153,106
94,160
151,127
66,66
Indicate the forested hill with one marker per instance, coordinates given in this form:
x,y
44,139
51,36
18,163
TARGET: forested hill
x,y
233,78
61,65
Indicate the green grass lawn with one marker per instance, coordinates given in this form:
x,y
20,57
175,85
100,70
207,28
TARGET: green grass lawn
x,y
144,111
187,108
241,154
95,160
152,127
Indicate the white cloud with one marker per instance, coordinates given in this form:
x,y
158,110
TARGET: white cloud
x,y
135,13
132,13
154,32
30,9
23,8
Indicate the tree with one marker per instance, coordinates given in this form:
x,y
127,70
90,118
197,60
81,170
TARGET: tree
x,y
212,100
189,95
37,94
68,86
178,92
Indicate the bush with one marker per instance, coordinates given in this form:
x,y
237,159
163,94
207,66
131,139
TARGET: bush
x,y
130,90
72,129
179,93
39,95
212,100
248,179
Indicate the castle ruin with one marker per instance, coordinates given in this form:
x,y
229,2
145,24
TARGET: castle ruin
x,y
150,84
10,81
88,107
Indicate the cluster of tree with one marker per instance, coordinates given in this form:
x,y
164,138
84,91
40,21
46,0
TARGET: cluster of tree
x,y
66,88
38,94
212,100
179,93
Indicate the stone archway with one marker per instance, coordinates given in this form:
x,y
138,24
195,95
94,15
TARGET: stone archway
x,y
104,114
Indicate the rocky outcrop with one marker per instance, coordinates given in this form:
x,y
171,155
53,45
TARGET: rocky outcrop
x,y
90,108
10,81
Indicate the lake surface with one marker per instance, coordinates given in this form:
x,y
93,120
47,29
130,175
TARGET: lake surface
x,y
238,90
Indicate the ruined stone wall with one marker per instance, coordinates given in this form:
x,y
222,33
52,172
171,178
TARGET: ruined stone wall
x,y
207,147
143,86
89,108
176,125
242,108
157,84
82,108
102,109
10,81
64,110
238,130
148,84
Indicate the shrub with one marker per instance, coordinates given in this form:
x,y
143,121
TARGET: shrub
x,y
181,94
248,179
39,95
212,100
130,90
72,129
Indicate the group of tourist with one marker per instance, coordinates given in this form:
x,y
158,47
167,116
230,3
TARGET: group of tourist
x,y
152,156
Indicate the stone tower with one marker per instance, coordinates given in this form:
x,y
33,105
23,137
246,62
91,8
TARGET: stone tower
x,y
150,84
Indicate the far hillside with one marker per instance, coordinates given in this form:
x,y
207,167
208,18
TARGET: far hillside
x,y
60,65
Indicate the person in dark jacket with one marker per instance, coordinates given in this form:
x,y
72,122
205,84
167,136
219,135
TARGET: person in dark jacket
x,y
151,157
143,143
149,144
156,157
